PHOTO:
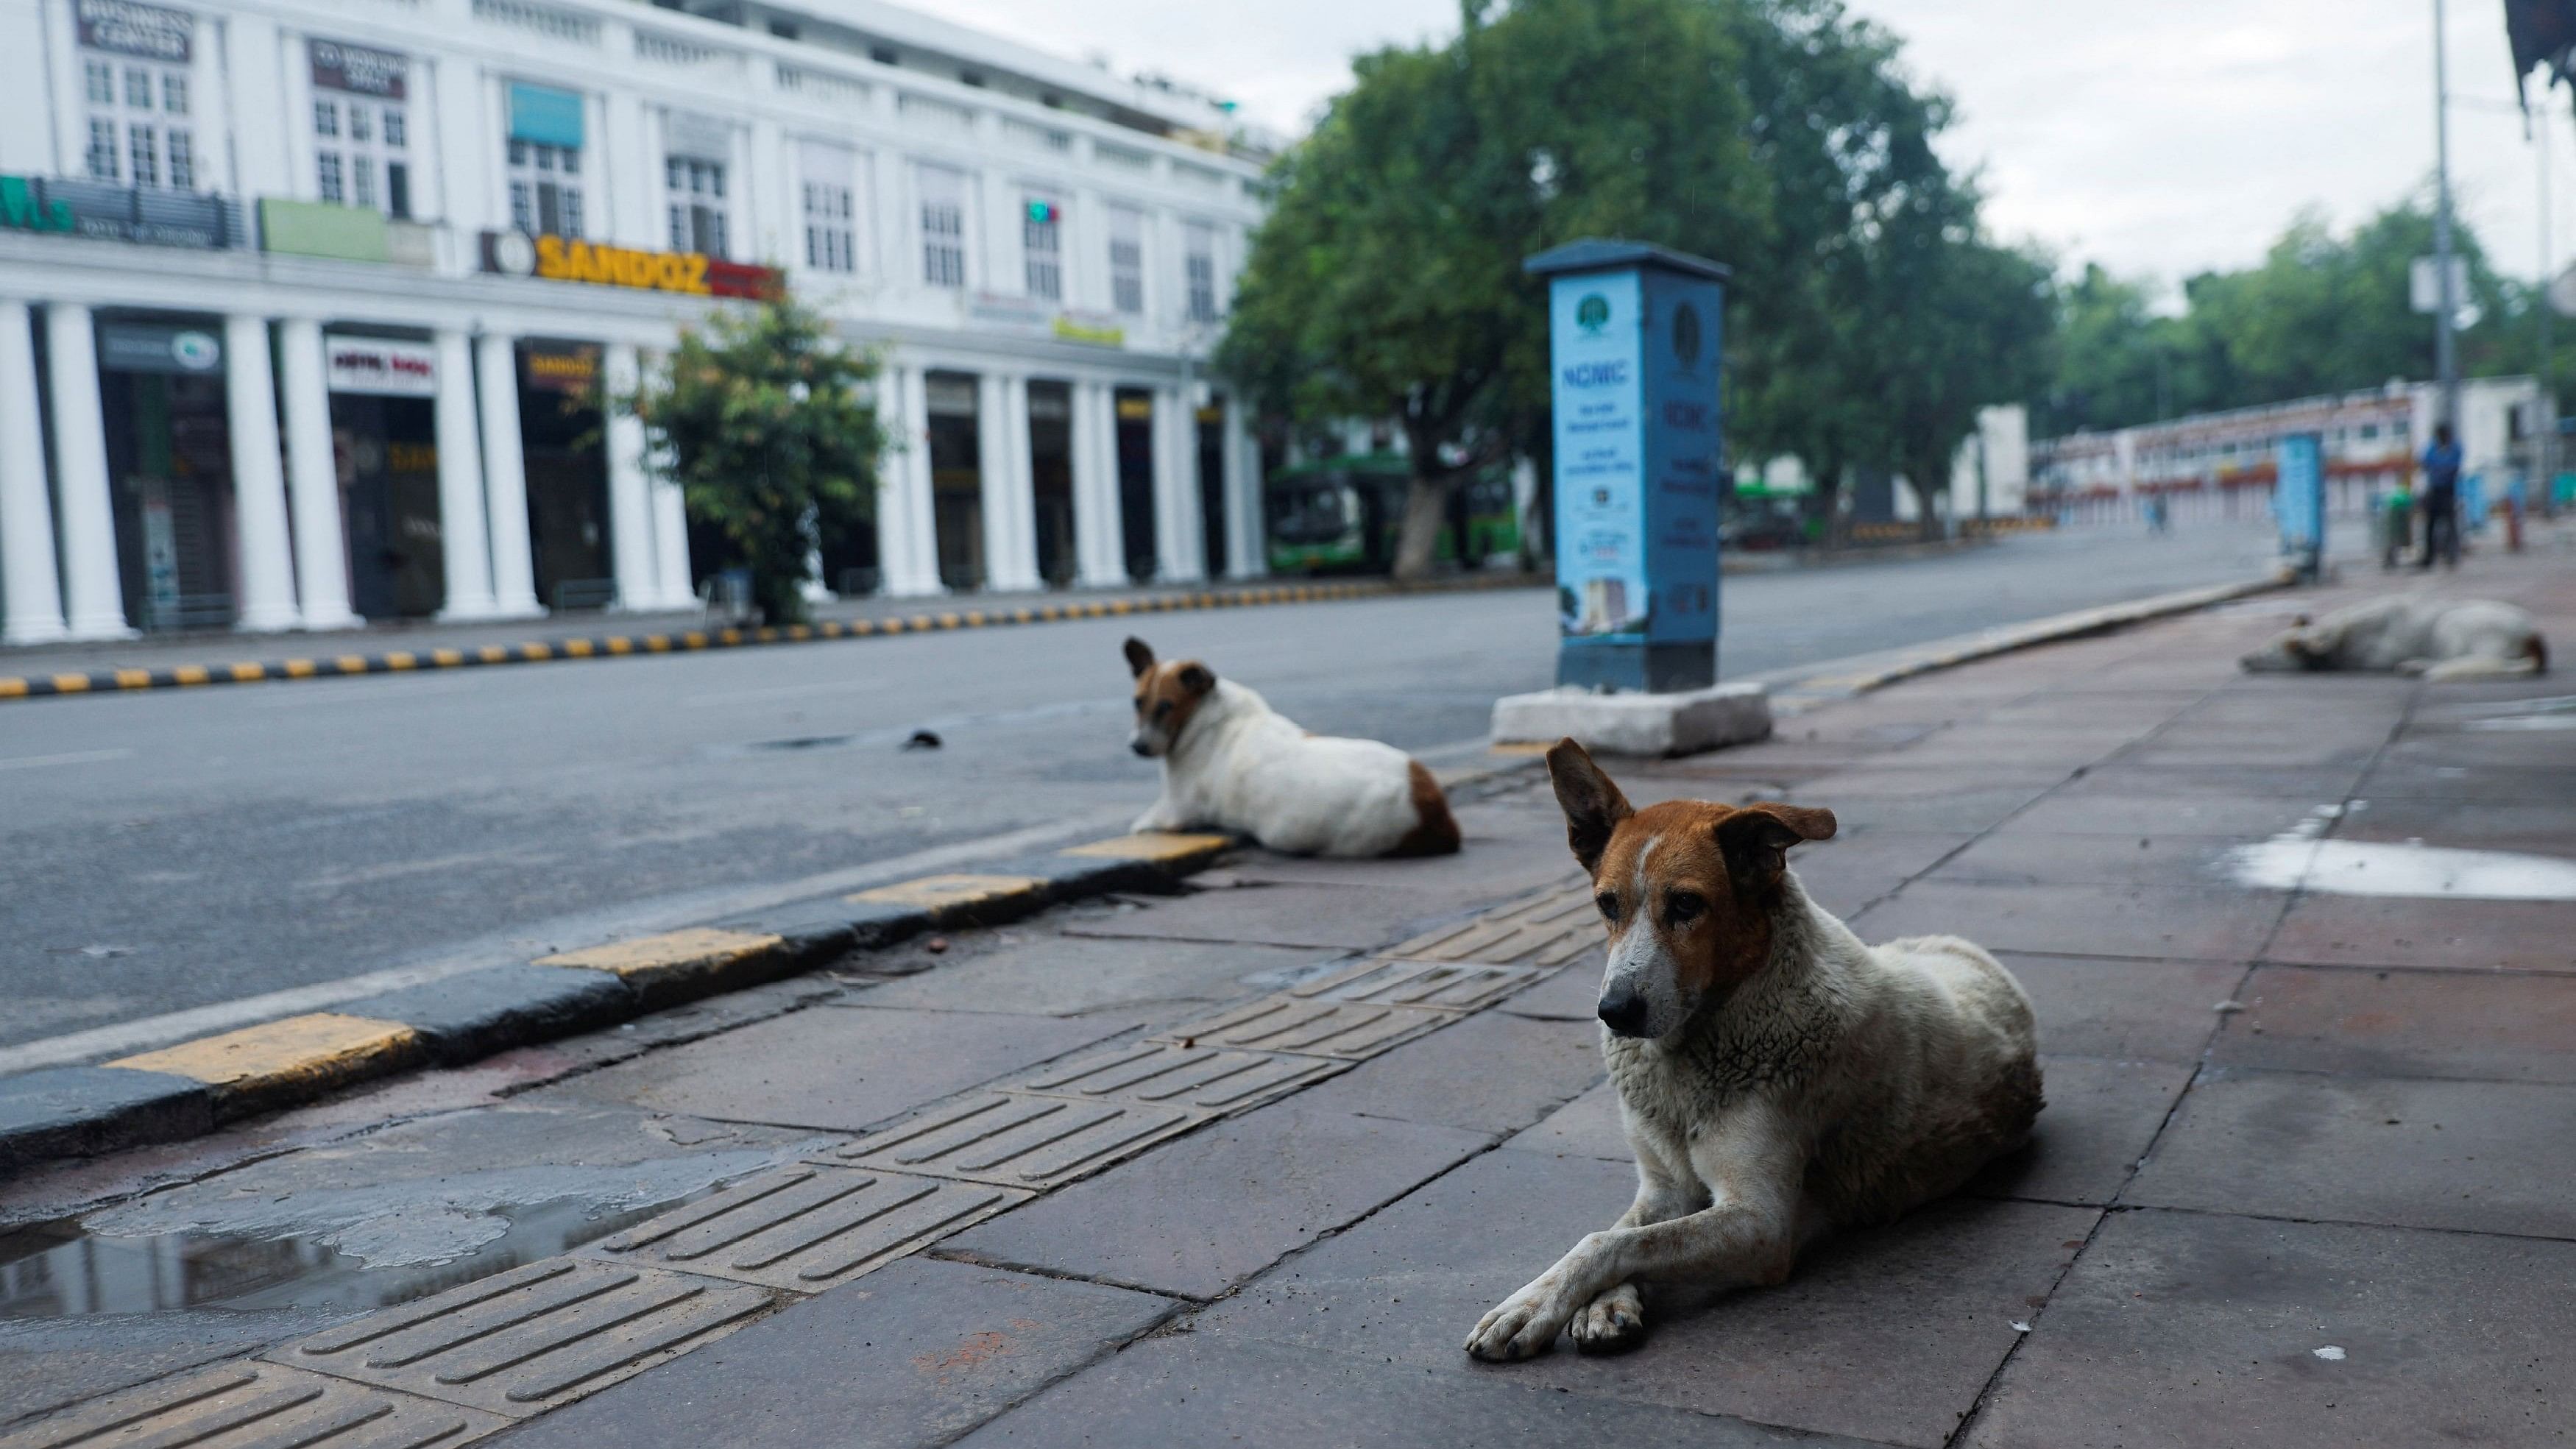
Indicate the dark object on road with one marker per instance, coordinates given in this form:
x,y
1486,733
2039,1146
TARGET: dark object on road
x,y
922,740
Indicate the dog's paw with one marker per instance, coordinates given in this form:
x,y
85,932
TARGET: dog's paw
x,y
1611,1323
1521,1326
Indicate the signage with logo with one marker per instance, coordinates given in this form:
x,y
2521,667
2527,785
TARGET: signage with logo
x,y
358,69
108,212
564,367
23,208
158,347
1595,339
378,367
1097,334
126,27
561,259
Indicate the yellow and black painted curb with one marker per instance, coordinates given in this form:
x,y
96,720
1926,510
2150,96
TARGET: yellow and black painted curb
x,y
684,641
191,1087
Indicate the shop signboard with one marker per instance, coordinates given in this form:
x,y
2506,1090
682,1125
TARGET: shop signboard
x,y
23,207
564,259
127,27
107,212
570,368
380,367
160,347
358,70
1634,336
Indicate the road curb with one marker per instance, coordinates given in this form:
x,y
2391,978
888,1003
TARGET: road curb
x,y
631,646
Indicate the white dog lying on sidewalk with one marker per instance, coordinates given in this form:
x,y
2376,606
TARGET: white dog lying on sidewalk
x,y
1778,1079
1232,762
2440,639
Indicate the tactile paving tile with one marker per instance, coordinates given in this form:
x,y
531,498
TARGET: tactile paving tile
x,y
531,1339
1020,1141
255,1406
1549,931
1443,984
1159,1074
1349,1030
806,1227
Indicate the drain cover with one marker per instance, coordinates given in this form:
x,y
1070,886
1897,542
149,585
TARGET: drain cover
x,y
1201,1078
1349,1030
256,1406
1446,985
806,1227
1034,1142
1549,931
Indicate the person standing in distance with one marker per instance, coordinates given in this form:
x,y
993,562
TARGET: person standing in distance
x,y
2442,499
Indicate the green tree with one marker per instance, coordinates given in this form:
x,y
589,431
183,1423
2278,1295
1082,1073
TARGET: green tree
x,y
762,417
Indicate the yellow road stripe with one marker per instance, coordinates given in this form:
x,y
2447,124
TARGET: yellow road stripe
x,y
71,684
13,688
620,644
319,1048
493,654
352,664
577,648
134,679
189,674
953,894
248,673
299,669
535,651
1160,847
446,658
400,659
696,949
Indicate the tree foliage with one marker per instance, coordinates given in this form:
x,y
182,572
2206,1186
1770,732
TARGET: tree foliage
x,y
762,417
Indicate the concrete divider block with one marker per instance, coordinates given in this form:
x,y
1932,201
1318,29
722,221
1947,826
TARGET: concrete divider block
x,y
679,966
1635,723
278,1063
461,1018
1173,851
970,899
77,1111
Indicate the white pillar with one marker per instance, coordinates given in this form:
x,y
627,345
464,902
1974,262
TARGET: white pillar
x,y
907,541
505,479
31,611
1244,549
671,546
313,479
464,538
1010,504
630,509
264,593
1181,545
1099,542
94,600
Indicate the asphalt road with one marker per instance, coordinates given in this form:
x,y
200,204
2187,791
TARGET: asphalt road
x,y
174,849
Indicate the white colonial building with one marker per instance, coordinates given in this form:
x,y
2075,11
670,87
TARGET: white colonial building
x,y
302,301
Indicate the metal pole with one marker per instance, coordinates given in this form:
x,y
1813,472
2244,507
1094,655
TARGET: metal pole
x,y
2446,357
2546,465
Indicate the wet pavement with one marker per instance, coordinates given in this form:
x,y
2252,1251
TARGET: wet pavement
x,y
1243,1166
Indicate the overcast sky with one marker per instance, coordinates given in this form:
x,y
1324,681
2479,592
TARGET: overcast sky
x,y
2160,139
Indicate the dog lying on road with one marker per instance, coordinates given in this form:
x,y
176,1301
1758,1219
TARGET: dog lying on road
x,y
2440,639
1777,1078
1232,762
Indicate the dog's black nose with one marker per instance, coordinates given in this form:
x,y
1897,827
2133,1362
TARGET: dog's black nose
x,y
1623,1011
1139,747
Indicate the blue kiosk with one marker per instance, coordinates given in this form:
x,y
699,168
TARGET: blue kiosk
x,y
2299,502
1634,348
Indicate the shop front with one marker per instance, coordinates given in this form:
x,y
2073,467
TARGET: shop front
x,y
1051,479
1135,444
561,439
957,479
384,446
170,477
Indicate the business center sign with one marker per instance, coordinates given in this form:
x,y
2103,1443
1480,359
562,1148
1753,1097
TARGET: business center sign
x,y
564,259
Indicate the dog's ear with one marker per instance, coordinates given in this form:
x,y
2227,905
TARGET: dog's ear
x,y
1140,656
1756,840
1593,805
1197,678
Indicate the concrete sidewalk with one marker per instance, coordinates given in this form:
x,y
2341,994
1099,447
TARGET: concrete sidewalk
x,y
1243,1166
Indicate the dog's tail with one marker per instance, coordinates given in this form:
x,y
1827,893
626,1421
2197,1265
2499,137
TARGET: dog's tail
x,y
1435,830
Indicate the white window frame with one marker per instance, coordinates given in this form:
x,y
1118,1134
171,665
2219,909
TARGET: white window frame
x,y
828,183
941,217
1198,271
142,128
531,168
1126,233
700,206
1042,248
362,151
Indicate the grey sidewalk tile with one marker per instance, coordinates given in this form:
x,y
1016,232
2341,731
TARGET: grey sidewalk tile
x,y
839,1068
2478,825
466,1017
1348,1030
1189,1389
2422,778
2516,1027
1490,1073
1043,973
1394,982
1588,1126
818,930
1887,1334
2161,1011
1160,1074
2055,860
49,1363
2232,818
2180,1329
1205,1213
532,1339
806,1227
2464,935
1876,802
1570,994
2203,924
1326,917
2187,784
258,1406
2473,1156
1014,1140
1501,857
77,1111
1550,929
912,1356
2100,1117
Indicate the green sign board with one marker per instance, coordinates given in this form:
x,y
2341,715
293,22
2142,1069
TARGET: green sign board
x,y
21,209
316,229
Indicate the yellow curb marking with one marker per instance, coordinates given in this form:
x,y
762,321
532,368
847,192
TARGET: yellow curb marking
x,y
1168,847
351,664
401,659
134,679
317,1047
248,674
693,639
577,648
189,674
535,651
671,951
299,669
952,892
446,658
492,654
620,644
13,688
71,684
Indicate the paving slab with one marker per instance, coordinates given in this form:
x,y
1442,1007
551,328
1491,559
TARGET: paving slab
x,y
1344,917
2496,1027
1499,858
2448,820
2101,1116
257,1406
1190,1389
2233,818
837,1067
2472,1156
1163,1074
1573,993
2150,922
2029,860
806,1227
1347,1030
1015,1140
1059,975
1857,867
1490,1073
1201,1215
1547,929
1877,802
1886,1335
2440,779
1588,1126
48,1363
2161,1011
2462,935
2119,779
2183,1329
912,1355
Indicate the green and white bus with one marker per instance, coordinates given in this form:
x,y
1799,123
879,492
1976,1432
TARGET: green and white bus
x,y
1342,515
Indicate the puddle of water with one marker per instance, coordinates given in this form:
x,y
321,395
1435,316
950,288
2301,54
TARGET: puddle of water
x,y
2296,860
58,1269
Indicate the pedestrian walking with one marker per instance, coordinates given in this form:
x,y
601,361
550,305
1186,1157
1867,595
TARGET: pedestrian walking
x,y
2442,500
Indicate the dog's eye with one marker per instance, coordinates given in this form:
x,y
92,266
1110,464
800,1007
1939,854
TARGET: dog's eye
x,y
1162,708
1608,901
1681,908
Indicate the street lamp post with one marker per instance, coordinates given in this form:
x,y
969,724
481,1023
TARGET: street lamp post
x,y
2446,356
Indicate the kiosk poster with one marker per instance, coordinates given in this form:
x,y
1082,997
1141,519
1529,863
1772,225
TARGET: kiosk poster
x,y
1683,455
1595,331
2298,492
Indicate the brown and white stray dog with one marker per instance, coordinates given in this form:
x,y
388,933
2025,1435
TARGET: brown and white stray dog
x,y
1232,762
1777,1078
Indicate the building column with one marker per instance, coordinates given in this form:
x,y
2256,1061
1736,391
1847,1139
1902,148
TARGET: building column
x,y
630,508
31,611
505,479
463,535
907,543
1010,499
1099,544
1182,543
94,598
671,546
313,478
264,594
1245,554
